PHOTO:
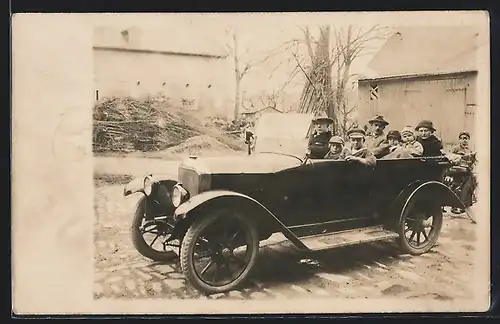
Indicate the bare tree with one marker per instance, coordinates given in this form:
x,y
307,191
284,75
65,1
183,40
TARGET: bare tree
x,y
242,68
322,93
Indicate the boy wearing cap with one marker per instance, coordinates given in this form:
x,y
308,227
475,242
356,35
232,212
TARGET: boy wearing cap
x,y
410,143
337,149
431,144
359,152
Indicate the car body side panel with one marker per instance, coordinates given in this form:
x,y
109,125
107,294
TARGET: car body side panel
x,y
185,209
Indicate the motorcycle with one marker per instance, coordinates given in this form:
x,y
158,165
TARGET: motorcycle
x,y
462,181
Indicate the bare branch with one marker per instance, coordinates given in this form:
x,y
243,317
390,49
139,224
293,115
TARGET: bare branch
x,y
305,73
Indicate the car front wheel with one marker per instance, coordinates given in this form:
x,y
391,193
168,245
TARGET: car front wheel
x,y
150,237
219,251
420,226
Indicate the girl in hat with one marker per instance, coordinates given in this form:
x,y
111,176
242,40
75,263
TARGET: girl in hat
x,y
431,144
410,143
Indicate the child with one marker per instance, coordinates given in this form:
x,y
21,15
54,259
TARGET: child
x,y
337,150
431,144
410,143
359,153
389,145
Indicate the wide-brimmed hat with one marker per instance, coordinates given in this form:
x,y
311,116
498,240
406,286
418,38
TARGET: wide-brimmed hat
x,y
356,133
378,119
425,123
464,133
322,120
394,134
407,129
336,140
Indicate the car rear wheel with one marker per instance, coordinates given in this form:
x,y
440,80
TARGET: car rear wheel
x,y
149,237
420,226
219,251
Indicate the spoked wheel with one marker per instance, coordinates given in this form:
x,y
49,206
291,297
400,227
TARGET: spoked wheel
x,y
219,251
420,226
151,237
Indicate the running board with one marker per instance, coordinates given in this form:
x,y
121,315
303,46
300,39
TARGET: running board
x,y
350,237
344,238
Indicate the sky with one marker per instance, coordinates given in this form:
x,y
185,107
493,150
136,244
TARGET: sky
x,y
260,33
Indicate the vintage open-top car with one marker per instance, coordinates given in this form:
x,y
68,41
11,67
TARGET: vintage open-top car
x,y
216,211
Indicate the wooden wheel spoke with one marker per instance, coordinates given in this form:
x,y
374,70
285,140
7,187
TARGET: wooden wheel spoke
x,y
412,235
425,234
238,260
418,238
207,267
154,240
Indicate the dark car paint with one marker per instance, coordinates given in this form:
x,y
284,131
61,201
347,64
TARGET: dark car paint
x,y
343,194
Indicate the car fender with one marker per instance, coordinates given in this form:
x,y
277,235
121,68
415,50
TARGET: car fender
x,y
436,189
204,199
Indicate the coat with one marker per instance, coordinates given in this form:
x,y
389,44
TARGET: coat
x,y
432,146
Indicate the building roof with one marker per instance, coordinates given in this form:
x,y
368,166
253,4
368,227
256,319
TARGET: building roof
x,y
189,42
426,50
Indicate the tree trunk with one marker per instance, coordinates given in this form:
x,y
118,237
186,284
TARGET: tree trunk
x,y
237,74
317,95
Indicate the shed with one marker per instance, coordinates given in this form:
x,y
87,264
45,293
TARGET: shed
x,y
135,62
424,73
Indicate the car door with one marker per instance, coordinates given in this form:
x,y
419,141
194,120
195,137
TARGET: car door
x,y
342,189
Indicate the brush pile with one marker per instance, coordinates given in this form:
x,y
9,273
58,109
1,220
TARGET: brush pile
x,y
127,125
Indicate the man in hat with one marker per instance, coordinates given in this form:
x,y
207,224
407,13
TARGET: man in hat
x,y
467,157
318,143
337,149
359,153
431,144
377,135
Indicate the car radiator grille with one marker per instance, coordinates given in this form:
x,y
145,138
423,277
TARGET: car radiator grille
x,y
190,180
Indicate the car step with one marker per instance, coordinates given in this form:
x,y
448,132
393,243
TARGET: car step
x,y
350,237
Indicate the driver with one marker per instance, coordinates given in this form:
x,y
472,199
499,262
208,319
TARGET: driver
x,y
318,143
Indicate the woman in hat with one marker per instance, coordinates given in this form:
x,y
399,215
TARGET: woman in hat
x,y
410,143
359,153
337,149
431,144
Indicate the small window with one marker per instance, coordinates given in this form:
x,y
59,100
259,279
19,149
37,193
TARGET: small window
x,y
373,91
97,95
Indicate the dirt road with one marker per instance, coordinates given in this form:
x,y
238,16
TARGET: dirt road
x,y
369,270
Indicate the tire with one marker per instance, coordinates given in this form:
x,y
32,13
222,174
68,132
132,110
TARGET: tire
x,y
189,244
421,213
138,239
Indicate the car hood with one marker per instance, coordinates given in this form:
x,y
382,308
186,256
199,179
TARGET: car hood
x,y
256,163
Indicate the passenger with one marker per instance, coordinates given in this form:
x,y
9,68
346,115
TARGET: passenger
x,y
359,152
431,144
389,145
410,143
377,136
337,151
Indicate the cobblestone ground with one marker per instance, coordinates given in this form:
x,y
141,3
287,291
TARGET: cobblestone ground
x,y
368,271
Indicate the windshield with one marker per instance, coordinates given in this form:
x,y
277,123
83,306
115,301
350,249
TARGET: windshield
x,y
283,133
283,126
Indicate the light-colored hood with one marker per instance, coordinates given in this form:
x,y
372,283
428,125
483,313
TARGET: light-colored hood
x,y
256,163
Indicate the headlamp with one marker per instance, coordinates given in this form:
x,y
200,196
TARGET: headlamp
x,y
179,195
148,185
